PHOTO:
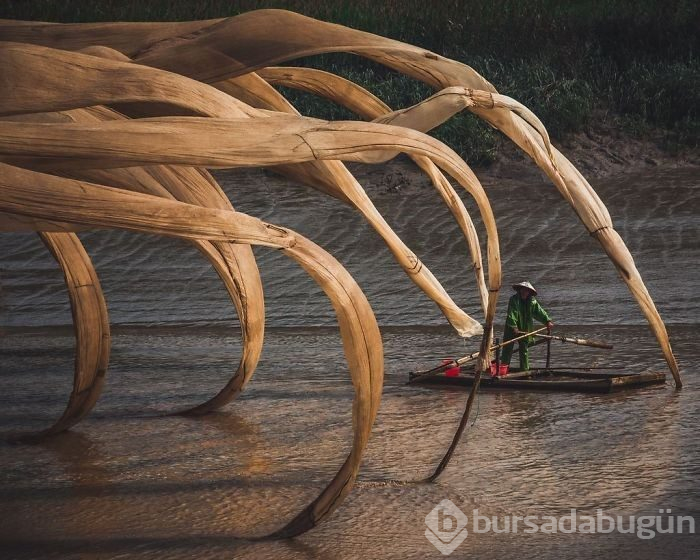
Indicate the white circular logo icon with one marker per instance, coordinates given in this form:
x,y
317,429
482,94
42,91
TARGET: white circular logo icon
x,y
446,527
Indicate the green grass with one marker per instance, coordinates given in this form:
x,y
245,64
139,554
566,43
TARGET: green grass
x,y
568,61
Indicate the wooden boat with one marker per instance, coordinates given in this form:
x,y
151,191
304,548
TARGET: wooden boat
x,y
580,380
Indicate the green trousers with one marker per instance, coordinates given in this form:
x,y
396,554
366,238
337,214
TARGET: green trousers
x,y
507,351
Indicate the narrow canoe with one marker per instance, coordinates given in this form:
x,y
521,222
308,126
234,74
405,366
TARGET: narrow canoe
x,y
549,380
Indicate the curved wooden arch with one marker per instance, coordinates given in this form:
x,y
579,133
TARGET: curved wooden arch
x,y
37,196
234,263
81,80
140,174
265,141
363,103
225,48
91,328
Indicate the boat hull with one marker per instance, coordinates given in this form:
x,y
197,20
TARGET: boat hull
x,y
549,380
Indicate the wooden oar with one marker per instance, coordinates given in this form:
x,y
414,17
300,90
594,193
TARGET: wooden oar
x,y
579,341
455,363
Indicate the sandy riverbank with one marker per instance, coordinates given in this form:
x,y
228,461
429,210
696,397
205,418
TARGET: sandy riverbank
x,y
597,154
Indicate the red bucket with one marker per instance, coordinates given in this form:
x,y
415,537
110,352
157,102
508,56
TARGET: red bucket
x,y
502,370
450,372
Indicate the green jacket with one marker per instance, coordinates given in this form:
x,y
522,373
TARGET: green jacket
x,y
521,313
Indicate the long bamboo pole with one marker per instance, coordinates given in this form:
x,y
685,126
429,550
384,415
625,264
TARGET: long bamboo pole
x,y
579,341
458,362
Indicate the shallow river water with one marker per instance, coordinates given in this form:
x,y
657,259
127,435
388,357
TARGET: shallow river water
x,y
133,481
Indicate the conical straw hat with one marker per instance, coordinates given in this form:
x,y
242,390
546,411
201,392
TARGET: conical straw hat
x,y
525,285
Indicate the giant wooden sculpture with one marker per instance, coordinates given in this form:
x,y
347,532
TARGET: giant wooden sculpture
x,y
114,125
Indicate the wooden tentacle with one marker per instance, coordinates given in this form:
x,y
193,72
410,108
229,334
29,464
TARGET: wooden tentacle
x,y
83,80
269,141
235,264
363,103
20,192
240,47
91,327
363,351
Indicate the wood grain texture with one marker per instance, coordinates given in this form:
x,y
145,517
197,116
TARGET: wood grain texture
x,y
84,80
240,45
114,125
91,328
358,326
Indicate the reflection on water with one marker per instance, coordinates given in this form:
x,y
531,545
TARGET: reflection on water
x,y
131,481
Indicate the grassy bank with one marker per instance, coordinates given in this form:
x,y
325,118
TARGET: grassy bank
x,y
576,64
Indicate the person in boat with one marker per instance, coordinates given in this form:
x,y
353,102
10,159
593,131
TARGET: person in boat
x,y
523,308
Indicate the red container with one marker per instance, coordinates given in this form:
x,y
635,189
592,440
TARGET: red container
x,y
450,372
502,370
